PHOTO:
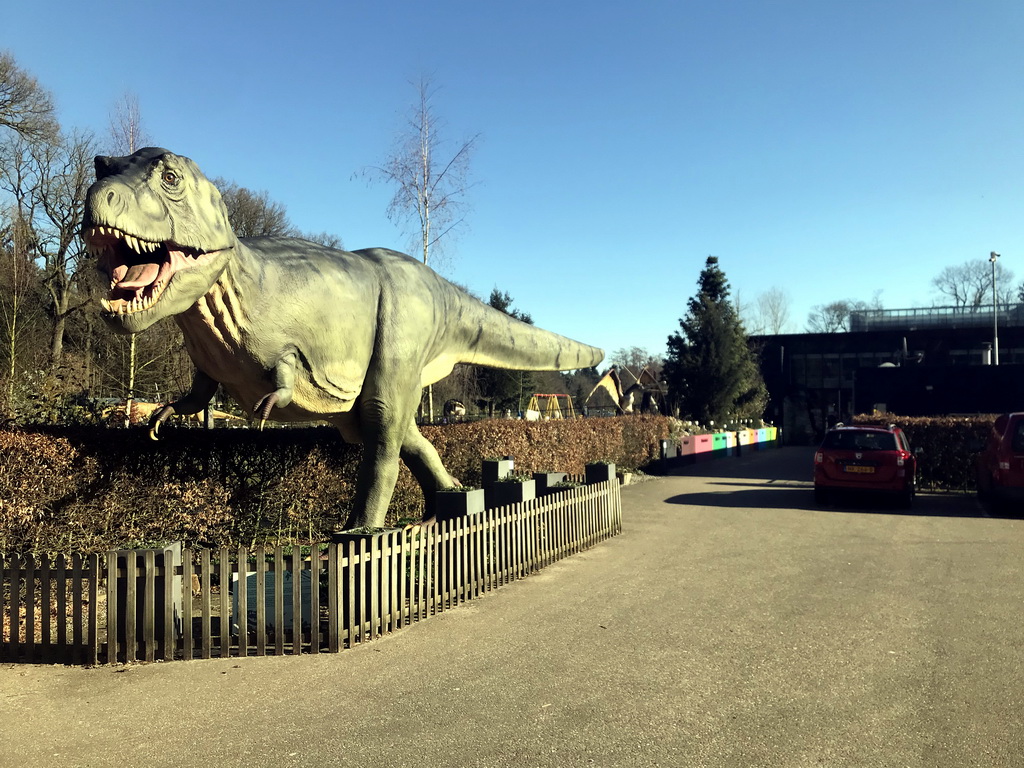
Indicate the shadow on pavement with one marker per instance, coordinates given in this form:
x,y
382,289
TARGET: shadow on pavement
x,y
793,464
769,494
781,478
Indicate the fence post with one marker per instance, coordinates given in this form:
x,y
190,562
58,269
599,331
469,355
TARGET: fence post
x,y
334,612
225,603
93,647
14,608
186,599
242,601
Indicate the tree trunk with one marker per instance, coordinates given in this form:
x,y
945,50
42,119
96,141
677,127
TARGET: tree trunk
x,y
57,340
13,339
131,382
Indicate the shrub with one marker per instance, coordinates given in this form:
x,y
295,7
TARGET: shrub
x,y
92,488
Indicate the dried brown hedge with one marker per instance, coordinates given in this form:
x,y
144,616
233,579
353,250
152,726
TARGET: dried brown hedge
x,y
948,446
94,488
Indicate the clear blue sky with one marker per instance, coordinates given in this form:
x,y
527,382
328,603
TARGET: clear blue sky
x,y
832,149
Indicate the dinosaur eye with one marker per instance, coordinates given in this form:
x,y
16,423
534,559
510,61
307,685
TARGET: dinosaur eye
x,y
170,178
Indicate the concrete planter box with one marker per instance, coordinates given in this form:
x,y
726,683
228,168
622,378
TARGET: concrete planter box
x,y
545,480
494,470
456,503
600,473
511,492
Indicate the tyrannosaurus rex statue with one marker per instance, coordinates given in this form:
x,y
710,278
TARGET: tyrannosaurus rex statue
x,y
294,330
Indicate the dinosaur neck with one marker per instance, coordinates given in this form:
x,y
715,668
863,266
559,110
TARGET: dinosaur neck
x,y
215,326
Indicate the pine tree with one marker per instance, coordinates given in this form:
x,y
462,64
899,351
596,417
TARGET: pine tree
x,y
711,372
500,389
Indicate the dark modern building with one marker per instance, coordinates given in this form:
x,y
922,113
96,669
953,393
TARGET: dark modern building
x,y
911,362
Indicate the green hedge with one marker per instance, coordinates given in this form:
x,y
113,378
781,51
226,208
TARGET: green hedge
x,y
94,488
947,446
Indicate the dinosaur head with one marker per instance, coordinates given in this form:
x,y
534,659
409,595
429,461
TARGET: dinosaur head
x,y
160,233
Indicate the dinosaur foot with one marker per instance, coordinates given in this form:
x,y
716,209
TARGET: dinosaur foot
x,y
263,408
159,418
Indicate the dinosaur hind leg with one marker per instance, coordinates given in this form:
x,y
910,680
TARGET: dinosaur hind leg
x,y
424,463
383,426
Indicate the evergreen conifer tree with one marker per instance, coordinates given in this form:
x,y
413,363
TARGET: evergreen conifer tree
x,y
712,373
501,389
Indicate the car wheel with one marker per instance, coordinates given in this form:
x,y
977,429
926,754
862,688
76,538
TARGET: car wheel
x,y
983,485
906,498
821,497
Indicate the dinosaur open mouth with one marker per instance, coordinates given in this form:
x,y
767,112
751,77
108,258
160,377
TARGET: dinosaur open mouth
x,y
139,270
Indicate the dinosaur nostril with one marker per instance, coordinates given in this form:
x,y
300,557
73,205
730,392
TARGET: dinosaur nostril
x,y
110,196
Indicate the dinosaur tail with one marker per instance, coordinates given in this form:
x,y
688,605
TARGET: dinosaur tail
x,y
500,341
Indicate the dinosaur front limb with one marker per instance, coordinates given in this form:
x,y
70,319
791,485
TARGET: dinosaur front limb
x,y
284,380
196,399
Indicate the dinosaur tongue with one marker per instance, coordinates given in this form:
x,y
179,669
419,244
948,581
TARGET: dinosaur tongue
x,y
140,276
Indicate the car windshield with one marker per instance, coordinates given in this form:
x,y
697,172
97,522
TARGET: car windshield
x,y
860,441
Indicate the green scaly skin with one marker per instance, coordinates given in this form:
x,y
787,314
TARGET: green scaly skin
x,y
293,330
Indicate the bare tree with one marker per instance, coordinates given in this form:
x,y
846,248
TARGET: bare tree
x,y
833,317
773,310
969,285
19,282
127,136
25,107
21,247
635,359
27,116
430,182
324,238
254,214
64,174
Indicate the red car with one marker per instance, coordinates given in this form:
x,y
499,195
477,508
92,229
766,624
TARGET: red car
x,y
1000,466
874,459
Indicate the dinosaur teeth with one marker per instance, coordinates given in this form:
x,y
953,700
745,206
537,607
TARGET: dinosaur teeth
x,y
105,245
142,300
140,246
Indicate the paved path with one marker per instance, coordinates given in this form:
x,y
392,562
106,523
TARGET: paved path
x,y
732,624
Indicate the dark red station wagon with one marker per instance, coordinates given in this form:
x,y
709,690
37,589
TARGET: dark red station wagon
x,y
874,459
1000,466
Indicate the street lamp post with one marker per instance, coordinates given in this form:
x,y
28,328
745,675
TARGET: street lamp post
x,y
995,311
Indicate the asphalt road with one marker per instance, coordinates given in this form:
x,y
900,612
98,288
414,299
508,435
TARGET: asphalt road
x,y
732,624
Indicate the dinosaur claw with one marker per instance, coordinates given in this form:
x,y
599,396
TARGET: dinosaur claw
x,y
158,418
264,407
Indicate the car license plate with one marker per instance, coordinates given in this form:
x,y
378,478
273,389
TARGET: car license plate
x,y
859,469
